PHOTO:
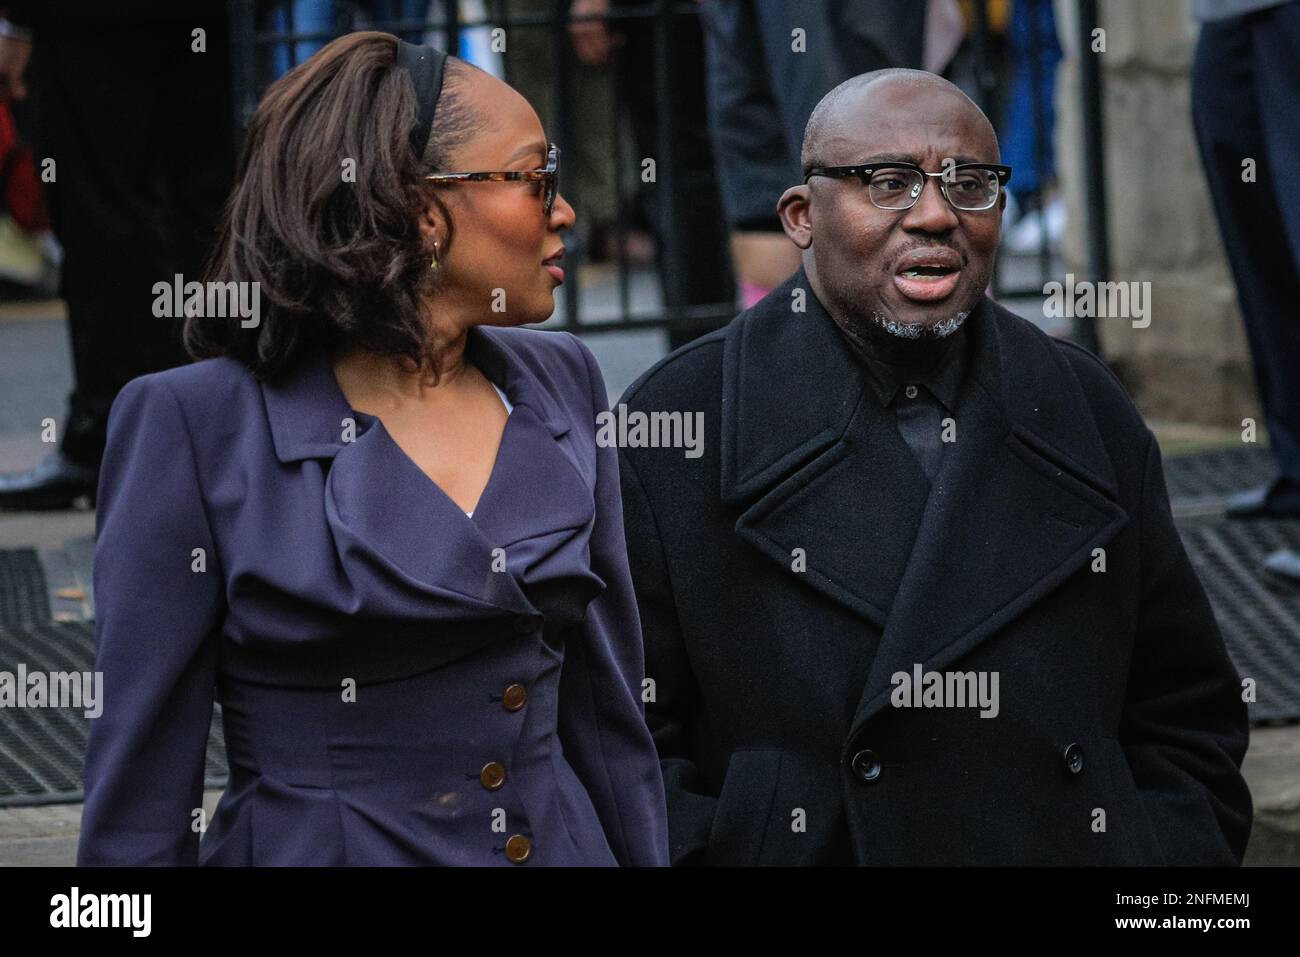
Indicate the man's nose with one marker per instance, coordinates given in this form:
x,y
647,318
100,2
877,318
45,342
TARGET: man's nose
x,y
931,213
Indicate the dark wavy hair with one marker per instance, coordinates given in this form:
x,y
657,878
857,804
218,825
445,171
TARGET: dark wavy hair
x,y
340,263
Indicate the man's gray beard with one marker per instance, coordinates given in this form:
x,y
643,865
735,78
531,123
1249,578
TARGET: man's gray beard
x,y
903,330
890,340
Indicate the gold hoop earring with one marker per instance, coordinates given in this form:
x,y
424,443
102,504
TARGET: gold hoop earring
x,y
434,264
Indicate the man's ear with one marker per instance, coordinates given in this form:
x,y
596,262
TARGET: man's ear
x,y
795,209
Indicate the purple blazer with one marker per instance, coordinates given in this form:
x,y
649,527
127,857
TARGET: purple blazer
x,y
400,683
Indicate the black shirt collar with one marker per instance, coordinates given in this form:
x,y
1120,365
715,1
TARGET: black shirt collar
x,y
943,382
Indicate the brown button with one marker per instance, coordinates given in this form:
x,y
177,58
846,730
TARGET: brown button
x,y
514,697
493,775
518,848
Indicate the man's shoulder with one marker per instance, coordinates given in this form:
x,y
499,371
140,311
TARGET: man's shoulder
x,y
1069,396
687,377
1102,388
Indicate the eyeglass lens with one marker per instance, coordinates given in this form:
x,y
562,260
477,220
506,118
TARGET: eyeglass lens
x,y
965,188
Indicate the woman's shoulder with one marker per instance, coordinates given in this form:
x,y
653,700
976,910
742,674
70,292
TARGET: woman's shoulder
x,y
199,389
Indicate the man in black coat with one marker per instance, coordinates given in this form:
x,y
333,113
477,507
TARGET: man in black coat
x,y
918,597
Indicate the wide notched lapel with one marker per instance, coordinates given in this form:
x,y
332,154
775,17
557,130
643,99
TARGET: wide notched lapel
x,y
817,466
1025,494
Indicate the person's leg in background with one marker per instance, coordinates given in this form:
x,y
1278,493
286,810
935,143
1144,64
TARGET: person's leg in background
x,y
765,80
1276,33
1244,91
105,123
197,169
588,179
691,246
1035,54
749,146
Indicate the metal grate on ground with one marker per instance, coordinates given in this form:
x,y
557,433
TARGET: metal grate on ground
x,y
1209,477
1260,620
42,750
24,598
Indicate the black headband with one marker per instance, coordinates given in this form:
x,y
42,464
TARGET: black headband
x,y
425,64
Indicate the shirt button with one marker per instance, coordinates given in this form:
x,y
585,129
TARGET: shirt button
x,y
527,624
518,849
910,392
514,697
493,775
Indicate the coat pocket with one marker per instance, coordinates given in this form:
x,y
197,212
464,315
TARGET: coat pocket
x,y
295,826
740,820
1127,820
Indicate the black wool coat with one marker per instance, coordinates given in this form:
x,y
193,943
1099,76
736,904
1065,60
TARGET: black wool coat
x,y
788,573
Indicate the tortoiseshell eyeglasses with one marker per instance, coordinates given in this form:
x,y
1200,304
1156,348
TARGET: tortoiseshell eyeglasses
x,y
549,177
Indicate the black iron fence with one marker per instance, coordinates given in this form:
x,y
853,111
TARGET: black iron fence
x,y
266,39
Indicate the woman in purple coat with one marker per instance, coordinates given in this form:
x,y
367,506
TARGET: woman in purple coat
x,y
374,522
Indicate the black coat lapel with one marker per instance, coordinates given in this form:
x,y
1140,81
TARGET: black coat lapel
x,y
812,459
812,462
1025,495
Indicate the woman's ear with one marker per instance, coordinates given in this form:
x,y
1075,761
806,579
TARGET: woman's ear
x,y
432,221
795,209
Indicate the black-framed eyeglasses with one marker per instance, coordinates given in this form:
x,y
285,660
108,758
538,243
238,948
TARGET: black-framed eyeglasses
x,y
897,185
549,177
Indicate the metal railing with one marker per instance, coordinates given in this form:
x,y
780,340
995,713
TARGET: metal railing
x,y
250,41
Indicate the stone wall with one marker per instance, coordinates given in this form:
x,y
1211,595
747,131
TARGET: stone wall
x,y
1191,363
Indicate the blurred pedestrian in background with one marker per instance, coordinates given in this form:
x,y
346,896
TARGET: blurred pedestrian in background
x,y
1245,86
133,100
28,252
769,63
690,235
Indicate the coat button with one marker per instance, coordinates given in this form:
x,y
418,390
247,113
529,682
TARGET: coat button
x,y
1074,759
527,624
518,849
493,775
866,766
514,697
910,392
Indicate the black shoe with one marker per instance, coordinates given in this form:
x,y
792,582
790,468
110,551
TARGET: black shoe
x,y
56,483
1284,565
1280,499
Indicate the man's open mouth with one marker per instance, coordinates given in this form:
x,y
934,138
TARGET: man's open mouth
x,y
927,275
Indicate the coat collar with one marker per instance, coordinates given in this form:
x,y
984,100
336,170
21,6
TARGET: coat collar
x,y
307,410
405,548
1025,494
774,352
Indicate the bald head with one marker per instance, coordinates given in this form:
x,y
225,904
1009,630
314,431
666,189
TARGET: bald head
x,y
886,98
